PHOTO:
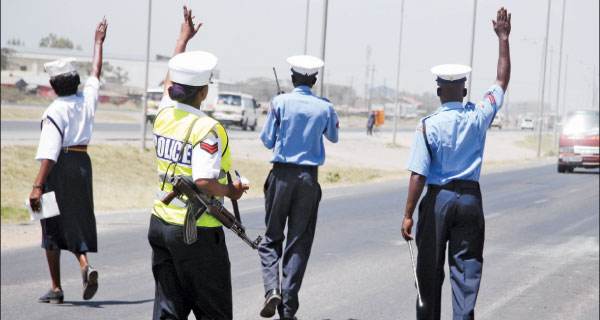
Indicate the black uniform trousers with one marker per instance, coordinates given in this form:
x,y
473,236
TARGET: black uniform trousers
x,y
450,213
292,194
194,277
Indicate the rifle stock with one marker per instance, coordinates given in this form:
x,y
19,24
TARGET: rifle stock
x,y
184,185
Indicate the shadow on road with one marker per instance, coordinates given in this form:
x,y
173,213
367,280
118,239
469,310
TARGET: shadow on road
x,y
100,304
585,172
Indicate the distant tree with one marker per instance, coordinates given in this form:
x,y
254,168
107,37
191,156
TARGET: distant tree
x,y
109,73
16,42
79,47
262,89
6,52
53,41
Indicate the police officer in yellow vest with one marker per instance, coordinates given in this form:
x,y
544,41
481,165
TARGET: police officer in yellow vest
x,y
193,277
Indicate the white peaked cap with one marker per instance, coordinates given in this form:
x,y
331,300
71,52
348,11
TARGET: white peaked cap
x,y
61,66
192,68
451,72
305,65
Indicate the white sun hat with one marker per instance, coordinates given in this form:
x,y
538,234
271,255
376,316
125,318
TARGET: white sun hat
x,y
305,65
451,72
61,66
192,68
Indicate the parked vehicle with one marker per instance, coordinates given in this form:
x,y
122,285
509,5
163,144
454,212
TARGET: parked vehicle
x,y
234,108
497,122
208,105
527,124
578,143
154,97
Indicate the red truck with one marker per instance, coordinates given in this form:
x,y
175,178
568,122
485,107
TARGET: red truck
x,y
578,144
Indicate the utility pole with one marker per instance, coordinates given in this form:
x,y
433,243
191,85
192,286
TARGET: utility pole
x,y
550,80
565,88
306,28
470,79
367,106
594,102
562,29
398,74
539,146
145,100
323,38
371,87
349,96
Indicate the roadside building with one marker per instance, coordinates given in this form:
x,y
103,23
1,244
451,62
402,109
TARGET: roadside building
x,y
9,80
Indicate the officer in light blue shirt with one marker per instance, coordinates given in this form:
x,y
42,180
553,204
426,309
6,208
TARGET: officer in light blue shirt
x,y
446,155
295,127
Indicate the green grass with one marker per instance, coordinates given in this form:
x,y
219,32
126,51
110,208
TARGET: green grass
x,y
125,177
531,142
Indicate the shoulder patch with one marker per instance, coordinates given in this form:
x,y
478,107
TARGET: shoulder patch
x,y
491,97
210,148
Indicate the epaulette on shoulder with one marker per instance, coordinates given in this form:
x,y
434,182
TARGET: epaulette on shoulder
x,y
324,99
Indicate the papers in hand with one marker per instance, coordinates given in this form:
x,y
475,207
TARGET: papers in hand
x,y
243,180
49,207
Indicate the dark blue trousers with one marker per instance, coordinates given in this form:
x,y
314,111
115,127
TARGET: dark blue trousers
x,y
292,195
190,278
451,214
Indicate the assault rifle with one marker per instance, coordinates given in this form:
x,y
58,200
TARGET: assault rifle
x,y
201,203
277,81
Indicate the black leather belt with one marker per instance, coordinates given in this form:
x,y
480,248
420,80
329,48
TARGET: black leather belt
x,y
456,184
290,165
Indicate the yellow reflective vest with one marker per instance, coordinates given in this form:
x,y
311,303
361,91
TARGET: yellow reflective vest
x,y
170,128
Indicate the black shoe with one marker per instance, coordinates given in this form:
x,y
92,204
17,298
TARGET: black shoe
x,y
89,275
272,300
54,297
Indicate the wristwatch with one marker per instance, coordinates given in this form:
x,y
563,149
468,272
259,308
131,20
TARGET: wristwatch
x,y
35,186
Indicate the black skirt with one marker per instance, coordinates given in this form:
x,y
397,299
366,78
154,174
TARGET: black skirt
x,y
75,228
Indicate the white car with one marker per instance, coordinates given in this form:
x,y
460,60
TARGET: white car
x,y
154,97
234,108
527,124
497,122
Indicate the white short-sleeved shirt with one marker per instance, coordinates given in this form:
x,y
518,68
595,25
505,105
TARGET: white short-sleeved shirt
x,y
69,121
205,165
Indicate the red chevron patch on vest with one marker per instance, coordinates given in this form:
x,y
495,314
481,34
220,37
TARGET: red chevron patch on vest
x,y
492,100
210,148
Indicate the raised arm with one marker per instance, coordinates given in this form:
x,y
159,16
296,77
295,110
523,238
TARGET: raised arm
x,y
188,30
98,42
502,29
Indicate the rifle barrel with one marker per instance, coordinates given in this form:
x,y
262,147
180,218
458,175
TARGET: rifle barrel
x,y
277,81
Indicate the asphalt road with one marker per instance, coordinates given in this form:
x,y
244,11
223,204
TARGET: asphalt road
x,y
541,257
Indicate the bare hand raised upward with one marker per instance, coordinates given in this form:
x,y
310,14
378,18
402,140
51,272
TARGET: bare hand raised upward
x,y
188,30
101,31
502,24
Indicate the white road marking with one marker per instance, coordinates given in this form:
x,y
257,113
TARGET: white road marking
x,y
542,201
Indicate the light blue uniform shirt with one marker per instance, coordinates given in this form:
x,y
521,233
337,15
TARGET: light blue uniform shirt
x,y
456,135
295,127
